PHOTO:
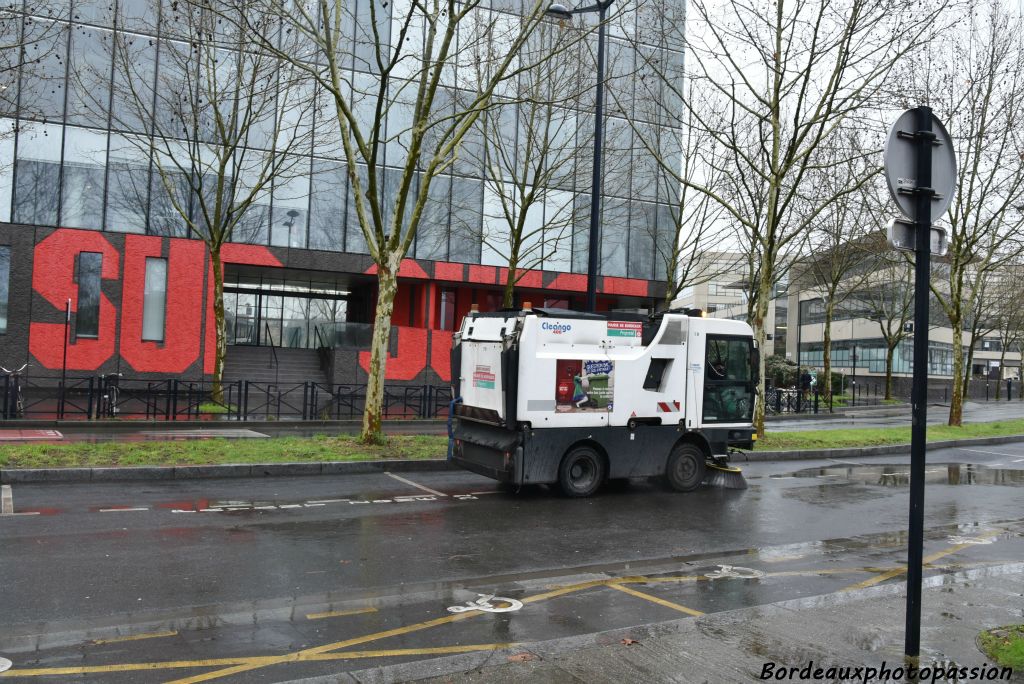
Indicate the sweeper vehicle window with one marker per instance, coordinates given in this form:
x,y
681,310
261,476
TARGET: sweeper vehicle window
x,y
556,396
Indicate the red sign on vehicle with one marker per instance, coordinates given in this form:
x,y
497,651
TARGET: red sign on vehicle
x,y
625,328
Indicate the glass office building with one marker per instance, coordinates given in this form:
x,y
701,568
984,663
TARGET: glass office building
x,y
71,166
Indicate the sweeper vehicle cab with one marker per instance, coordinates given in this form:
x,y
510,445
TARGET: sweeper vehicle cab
x,y
556,396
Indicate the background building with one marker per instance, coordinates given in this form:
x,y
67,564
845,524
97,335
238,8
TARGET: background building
x,y
85,222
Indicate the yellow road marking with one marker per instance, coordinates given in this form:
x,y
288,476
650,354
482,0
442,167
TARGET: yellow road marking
x,y
133,637
655,599
340,613
125,667
256,660
901,570
304,654
344,655
244,664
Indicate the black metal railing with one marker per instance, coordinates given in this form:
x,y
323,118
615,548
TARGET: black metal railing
x,y
116,397
272,361
779,400
323,352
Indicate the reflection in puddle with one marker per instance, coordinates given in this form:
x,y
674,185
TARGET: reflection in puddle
x,y
899,475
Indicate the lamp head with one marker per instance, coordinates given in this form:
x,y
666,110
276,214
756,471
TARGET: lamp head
x,y
559,11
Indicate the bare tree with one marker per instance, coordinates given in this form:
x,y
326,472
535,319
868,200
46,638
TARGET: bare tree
x,y
221,122
531,149
676,153
975,83
888,292
835,261
414,97
785,79
1006,313
33,40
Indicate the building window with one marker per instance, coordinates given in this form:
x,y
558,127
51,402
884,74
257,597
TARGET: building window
x,y
5,273
154,303
90,267
447,313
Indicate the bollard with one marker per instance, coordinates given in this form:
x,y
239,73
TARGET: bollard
x,y
1009,389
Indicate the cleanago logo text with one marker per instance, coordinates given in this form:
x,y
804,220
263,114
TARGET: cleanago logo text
x,y
556,328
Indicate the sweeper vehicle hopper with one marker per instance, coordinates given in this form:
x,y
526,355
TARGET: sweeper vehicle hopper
x,y
556,396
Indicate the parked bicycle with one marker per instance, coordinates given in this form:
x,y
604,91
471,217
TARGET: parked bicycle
x,y
14,403
112,394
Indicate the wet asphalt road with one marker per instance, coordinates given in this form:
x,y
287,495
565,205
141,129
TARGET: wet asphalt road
x,y
277,579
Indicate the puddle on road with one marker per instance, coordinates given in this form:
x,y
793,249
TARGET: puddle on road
x,y
899,475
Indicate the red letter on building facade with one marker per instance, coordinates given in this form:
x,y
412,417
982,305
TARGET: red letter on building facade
x,y
53,279
184,310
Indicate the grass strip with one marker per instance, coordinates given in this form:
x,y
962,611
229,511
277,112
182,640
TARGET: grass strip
x,y
218,451
857,437
1004,645
320,448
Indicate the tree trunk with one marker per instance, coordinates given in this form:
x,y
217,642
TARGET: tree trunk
x,y
510,284
956,399
387,287
999,378
968,367
220,332
760,335
890,350
827,343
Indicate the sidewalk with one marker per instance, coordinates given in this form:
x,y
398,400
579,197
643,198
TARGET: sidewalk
x,y
896,416
851,629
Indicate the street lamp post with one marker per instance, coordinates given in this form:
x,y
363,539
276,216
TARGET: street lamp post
x,y
562,12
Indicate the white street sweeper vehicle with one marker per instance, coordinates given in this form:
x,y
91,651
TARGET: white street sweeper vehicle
x,y
551,395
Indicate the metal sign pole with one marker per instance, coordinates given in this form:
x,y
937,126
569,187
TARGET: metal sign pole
x,y
924,138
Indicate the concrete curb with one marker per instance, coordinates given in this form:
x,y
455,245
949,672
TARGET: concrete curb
x,y
203,472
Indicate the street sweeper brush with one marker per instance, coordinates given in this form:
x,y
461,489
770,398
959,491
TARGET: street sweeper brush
x,y
727,477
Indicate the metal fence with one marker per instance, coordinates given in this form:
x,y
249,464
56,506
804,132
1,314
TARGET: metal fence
x,y
780,400
117,397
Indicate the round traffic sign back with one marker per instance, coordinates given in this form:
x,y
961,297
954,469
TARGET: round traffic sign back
x,y
900,160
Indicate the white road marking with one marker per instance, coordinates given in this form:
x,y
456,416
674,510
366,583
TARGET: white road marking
x,y
495,491
310,505
181,510
417,486
992,453
121,510
290,506
5,664
27,513
327,501
1019,460
6,500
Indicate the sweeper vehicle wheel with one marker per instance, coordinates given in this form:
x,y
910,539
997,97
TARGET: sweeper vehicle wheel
x,y
581,471
685,469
